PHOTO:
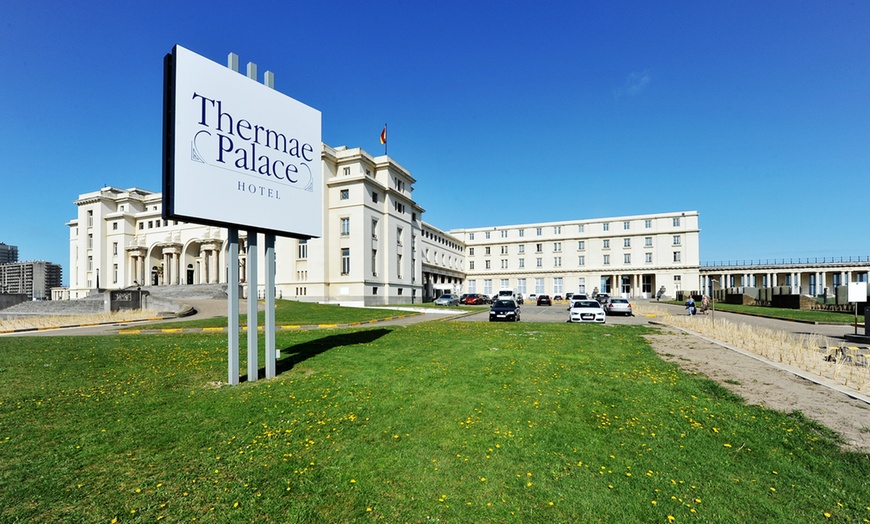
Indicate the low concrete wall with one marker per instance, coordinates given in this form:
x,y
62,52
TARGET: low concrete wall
x,y
12,299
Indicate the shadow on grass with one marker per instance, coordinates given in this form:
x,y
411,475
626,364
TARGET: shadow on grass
x,y
299,353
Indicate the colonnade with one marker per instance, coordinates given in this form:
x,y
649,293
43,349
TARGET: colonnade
x,y
805,280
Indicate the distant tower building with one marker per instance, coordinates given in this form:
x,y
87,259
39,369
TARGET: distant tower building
x,y
34,279
8,254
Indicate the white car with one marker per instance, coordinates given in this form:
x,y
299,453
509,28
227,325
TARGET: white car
x,y
586,311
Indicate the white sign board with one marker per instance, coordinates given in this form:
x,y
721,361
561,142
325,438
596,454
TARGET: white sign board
x,y
857,292
237,153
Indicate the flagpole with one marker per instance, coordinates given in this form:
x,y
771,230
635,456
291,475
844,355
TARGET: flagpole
x,y
385,139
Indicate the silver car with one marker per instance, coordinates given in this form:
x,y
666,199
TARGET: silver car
x,y
618,306
447,300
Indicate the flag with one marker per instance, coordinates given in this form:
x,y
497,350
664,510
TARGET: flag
x,y
384,135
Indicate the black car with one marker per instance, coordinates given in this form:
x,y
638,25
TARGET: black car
x,y
602,298
544,300
504,309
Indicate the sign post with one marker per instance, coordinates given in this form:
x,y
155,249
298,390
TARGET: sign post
x,y
240,155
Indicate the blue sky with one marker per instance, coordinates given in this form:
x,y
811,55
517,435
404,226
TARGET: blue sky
x,y
756,114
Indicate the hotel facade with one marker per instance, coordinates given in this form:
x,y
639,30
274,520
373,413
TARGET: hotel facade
x,y
377,250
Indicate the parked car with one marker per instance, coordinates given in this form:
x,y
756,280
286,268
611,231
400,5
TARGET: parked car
x,y
557,297
463,297
618,306
544,300
447,300
586,311
475,299
519,298
504,309
602,298
578,296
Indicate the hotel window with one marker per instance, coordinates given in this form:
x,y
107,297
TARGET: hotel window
x,y
504,233
375,197
504,250
557,285
487,264
486,235
522,232
581,228
114,226
522,248
539,262
582,284
375,228
90,263
521,286
399,265
676,240
90,241
557,261
471,236
141,225
522,263
677,222
374,262
150,224
647,223
647,257
626,258
557,247
581,245
344,194
471,251
504,283
346,171
487,286
345,261
626,225
504,263
302,252
539,248
557,230
486,250
606,260
539,285
647,241
626,242
581,260
115,248
90,218
472,286
606,243
114,273
156,223
677,256
398,236
539,231
606,226
345,226
471,265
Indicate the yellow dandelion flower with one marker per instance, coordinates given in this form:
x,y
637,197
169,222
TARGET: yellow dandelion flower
x,y
235,504
483,479
671,518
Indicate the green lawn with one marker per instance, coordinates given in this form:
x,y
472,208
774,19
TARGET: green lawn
x,y
434,422
290,312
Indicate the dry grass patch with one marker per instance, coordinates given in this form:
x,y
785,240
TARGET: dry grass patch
x,y
800,351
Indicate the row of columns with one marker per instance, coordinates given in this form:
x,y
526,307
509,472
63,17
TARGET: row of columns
x,y
209,266
809,282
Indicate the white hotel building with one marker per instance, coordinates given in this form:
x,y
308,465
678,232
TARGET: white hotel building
x,y
377,250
